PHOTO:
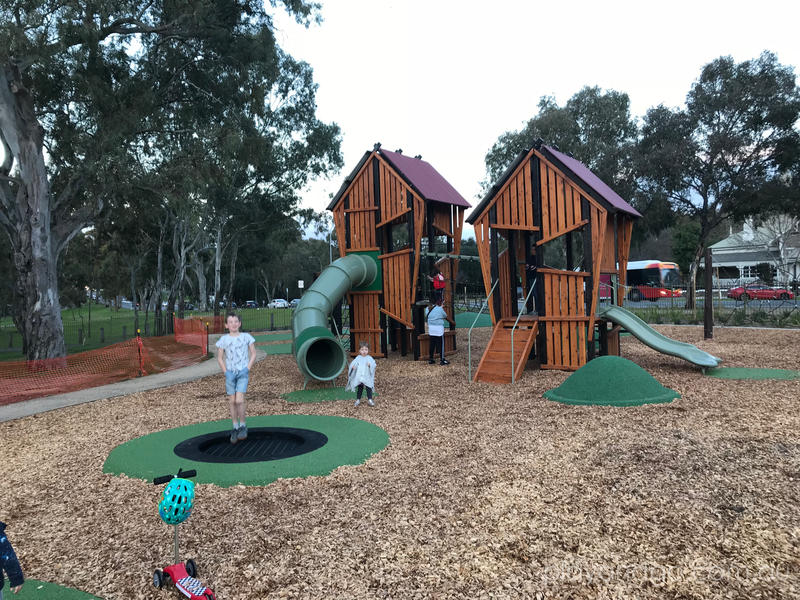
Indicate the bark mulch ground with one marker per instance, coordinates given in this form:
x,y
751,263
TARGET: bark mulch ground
x,y
484,491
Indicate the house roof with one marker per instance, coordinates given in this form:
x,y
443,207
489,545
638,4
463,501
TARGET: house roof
x,y
419,174
571,166
737,258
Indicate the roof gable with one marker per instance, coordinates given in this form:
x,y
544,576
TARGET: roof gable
x,y
576,170
593,181
427,180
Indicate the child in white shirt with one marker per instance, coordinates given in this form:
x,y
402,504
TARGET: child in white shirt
x,y
361,374
237,353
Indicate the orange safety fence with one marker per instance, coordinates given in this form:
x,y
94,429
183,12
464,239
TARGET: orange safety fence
x,y
24,380
195,330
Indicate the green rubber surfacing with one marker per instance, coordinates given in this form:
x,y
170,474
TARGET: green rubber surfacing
x,y
328,394
350,442
611,381
33,589
746,373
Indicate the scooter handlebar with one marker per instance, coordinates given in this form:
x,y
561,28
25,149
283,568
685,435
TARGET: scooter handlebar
x,y
181,474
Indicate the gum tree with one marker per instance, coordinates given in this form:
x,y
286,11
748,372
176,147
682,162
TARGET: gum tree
x,y
83,87
730,151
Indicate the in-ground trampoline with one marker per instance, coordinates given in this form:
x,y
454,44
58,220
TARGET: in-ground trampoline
x,y
277,447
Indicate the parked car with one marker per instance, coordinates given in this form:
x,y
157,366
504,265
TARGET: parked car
x,y
278,303
759,291
251,304
294,302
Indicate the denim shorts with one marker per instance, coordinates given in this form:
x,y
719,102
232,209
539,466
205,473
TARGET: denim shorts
x,y
236,381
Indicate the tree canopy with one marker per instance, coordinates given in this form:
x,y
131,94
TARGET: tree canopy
x,y
103,104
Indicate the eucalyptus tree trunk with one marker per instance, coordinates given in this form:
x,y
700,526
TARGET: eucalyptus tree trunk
x,y
217,267
26,216
199,266
234,254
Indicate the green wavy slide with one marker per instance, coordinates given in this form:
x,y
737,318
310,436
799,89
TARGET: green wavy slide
x,y
650,337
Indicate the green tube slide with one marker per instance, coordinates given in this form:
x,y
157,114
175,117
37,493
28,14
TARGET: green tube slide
x,y
318,353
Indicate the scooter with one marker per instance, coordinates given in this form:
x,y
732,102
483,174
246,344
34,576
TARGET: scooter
x,y
174,508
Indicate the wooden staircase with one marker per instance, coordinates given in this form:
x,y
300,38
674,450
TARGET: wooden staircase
x,y
495,366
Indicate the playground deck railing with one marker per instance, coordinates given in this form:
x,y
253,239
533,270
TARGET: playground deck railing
x,y
469,335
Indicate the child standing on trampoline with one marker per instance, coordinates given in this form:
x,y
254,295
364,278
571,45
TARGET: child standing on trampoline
x,y
237,353
361,374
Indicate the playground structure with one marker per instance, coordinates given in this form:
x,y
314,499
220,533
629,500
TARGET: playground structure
x,y
388,215
548,223
552,224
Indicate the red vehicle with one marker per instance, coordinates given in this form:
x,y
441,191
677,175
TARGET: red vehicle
x,y
653,280
758,291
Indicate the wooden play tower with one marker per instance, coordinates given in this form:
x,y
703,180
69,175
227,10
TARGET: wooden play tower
x,y
550,228
396,209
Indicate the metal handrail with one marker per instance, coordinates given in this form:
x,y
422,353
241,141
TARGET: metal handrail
x,y
515,327
469,335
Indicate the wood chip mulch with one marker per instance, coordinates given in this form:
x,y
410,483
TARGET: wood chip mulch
x,y
484,492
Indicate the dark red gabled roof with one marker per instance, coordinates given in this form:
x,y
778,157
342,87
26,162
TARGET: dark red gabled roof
x,y
424,178
419,174
593,181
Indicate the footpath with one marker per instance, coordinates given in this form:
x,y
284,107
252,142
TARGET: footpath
x,y
17,410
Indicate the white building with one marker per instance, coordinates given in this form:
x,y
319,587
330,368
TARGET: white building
x,y
775,241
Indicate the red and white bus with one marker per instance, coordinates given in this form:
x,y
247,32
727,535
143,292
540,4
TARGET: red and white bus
x,y
647,280
653,280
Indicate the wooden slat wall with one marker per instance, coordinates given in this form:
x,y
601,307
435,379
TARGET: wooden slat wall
x,y
458,224
396,285
338,221
565,320
482,240
599,216
561,202
608,263
625,230
504,287
367,324
362,211
393,193
442,219
514,201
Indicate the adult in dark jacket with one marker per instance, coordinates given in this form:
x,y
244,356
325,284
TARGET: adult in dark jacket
x,y
9,564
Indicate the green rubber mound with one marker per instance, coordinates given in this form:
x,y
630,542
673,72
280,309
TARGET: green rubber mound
x,y
745,373
350,442
329,394
34,589
611,381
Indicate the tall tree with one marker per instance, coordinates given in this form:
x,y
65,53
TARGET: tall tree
x,y
595,126
732,147
82,86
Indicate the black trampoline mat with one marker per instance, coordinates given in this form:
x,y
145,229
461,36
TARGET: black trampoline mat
x,y
262,444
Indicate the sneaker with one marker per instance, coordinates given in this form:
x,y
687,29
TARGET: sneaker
x,y
234,436
357,403
242,433
444,362
370,402
431,362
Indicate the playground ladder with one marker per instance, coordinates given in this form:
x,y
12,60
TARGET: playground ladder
x,y
494,366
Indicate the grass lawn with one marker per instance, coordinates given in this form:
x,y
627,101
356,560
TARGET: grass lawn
x,y
109,326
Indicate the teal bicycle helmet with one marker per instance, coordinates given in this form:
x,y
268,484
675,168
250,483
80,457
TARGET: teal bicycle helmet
x,y
176,503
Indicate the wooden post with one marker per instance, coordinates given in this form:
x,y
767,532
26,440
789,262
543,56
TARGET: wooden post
x,y
708,302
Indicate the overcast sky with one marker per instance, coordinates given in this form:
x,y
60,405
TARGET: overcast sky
x,y
445,78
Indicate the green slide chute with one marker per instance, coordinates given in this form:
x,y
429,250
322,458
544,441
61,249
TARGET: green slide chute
x,y
650,337
318,353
